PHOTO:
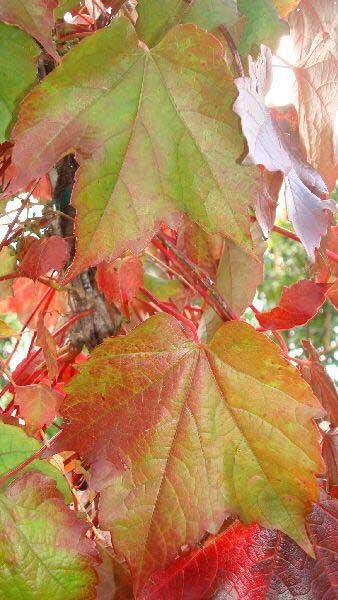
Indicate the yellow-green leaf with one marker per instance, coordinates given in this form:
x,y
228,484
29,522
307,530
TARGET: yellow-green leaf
x,y
181,434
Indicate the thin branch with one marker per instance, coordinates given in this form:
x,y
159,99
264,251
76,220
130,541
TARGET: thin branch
x,y
219,304
165,308
233,49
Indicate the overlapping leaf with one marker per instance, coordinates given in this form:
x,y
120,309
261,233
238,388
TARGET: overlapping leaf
x,y
18,54
38,405
43,549
7,266
36,17
250,563
262,25
45,255
156,150
298,304
177,434
269,146
16,447
314,34
120,280
156,18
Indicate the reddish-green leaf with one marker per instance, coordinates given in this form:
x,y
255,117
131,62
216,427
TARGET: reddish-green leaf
x,y
314,34
44,255
250,563
270,146
298,304
33,16
178,433
38,405
43,549
156,18
156,150
18,55
120,280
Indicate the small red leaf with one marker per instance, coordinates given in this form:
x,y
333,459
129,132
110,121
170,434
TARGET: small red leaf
x,y
38,405
252,563
45,255
120,280
46,341
298,304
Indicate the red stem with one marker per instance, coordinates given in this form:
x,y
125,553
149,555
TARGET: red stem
x,y
293,236
172,312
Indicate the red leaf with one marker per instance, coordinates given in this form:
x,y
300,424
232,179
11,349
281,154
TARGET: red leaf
x,y
252,563
46,341
27,295
38,405
120,280
316,375
270,146
298,304
45,255
325,266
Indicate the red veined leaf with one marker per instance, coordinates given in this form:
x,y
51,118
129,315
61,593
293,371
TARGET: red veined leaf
x,y
270,146
314,35
45,551
44,255
33,16
38,405
120,280
203,249
252,563
178,432
321,383
127,218
298,304
45,340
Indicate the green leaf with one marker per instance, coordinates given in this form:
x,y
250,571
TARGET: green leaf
x,y
43,549
156,18
7,264
16,446
18,53
36,17
148,147
181,434
263,25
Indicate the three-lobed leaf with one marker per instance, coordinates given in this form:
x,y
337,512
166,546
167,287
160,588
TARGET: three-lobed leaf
x,y
178,433
157,149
